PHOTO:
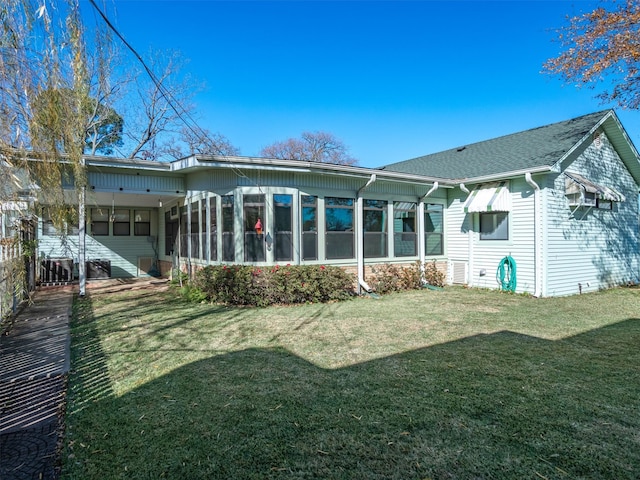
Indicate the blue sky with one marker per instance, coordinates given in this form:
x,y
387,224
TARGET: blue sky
x,y
393,80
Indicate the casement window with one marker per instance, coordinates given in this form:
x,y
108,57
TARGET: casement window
x,y
433,229
309,227
283,241
213,231
404,229
203,229
142,223
184,232
194,236
228,227
339,234
171,231
375,228
99,222
253,219
494,226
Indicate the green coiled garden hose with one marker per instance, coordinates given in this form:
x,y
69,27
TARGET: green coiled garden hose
x,y
506,274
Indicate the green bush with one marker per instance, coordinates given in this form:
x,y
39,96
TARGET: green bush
x,y
389,278
263,286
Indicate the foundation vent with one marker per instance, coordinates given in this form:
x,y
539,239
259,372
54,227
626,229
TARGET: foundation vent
x,y
459,273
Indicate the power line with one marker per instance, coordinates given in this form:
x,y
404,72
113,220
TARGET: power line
x,y
182,113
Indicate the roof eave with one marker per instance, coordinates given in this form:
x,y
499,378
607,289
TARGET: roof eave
x,y
298,166
506,175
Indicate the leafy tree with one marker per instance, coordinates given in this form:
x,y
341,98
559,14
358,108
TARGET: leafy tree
x,y
102,124
320,147
603,43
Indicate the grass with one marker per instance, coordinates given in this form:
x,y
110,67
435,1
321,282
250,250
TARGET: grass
x,y
464,384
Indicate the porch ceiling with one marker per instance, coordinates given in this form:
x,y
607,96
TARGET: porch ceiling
x,y
146,200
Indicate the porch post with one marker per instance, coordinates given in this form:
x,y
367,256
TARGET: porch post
x,y
82,264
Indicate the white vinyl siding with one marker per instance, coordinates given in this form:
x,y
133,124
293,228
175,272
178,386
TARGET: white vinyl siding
x,y
124,263
465,246
591,249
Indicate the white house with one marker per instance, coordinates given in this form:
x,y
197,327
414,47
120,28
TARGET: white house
x,y
559,200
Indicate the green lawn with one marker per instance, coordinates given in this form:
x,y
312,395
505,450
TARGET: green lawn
x,y
452,384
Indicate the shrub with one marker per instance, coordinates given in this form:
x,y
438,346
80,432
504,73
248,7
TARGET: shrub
x,y
433,276
389,278
263,286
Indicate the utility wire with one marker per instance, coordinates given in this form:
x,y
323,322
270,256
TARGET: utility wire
x,y
182,114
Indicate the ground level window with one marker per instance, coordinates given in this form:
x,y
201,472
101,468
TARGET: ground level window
x,y
433,229
404,229
253,219
494,226
171,229
339,239
228,240
213,231
284,227
194,237
375,228
309,227
184,232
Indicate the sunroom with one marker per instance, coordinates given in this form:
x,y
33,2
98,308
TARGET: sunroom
x,y
291,212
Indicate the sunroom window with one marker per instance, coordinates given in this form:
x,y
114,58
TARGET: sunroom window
x,y
283,205
228,239
433,229
375,228
309,227
254,241
339,239
404,229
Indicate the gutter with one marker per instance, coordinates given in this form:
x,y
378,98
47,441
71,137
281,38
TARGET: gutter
x,y
360,235
421,232
506,175
249,163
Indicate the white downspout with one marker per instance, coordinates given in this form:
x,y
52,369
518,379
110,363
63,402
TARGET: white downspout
x,y
421,232
537,238
360,235
469,243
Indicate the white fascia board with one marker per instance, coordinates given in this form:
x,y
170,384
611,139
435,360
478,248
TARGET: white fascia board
x,y
247,163
506,175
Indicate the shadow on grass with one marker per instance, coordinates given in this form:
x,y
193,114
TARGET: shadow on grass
x,y
503,405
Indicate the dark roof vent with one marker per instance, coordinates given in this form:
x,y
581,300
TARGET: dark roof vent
x,y
459,149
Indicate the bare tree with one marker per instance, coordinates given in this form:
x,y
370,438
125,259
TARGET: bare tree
x,y
603,43
320,147
163,105
199,141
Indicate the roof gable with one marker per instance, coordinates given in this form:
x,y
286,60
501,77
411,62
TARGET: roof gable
x,y
523,151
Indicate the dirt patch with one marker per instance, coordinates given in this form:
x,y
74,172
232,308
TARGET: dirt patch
x,y
114,285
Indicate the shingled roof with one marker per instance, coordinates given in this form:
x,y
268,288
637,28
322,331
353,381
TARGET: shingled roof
x,y
528,150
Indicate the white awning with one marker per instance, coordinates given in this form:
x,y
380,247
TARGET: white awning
x,y
489,197
576,182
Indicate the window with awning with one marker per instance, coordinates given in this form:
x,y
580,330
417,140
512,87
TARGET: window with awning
x,y
583,192
489,197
